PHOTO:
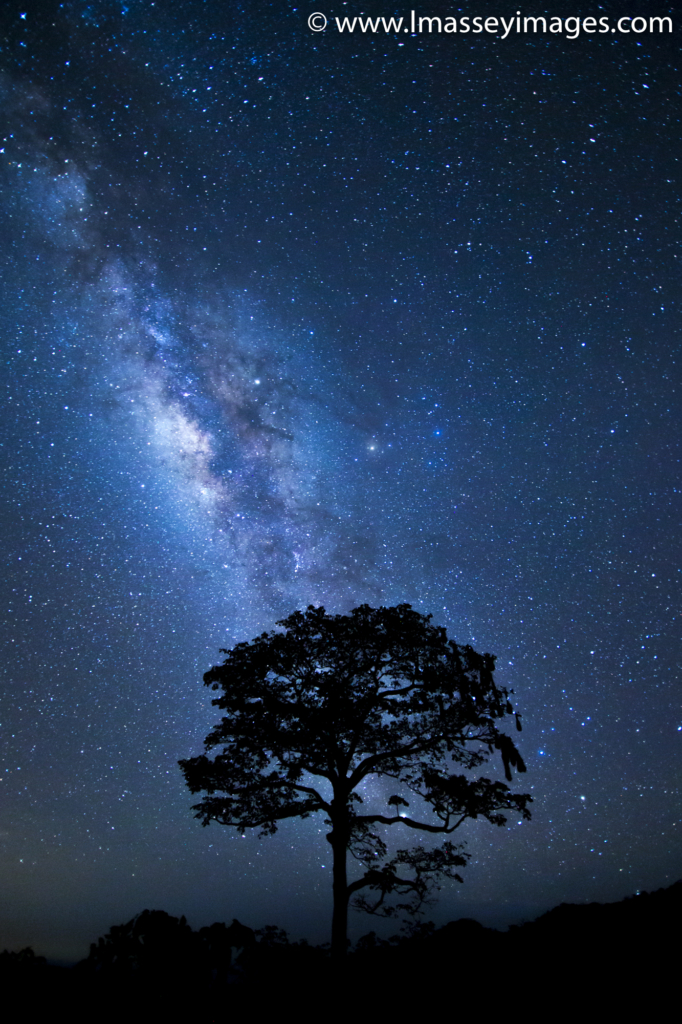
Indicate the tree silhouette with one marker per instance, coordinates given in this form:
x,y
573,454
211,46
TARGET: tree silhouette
x,y
152,943
154,946
313,713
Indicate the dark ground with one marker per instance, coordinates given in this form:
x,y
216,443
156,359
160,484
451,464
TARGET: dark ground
x,y
594,958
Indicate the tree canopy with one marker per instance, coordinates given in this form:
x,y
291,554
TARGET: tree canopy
x,y
314,711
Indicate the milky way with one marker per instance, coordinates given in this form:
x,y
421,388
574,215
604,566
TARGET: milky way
x,y
291,318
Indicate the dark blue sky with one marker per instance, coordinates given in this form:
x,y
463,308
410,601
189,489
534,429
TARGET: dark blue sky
x,y
295,318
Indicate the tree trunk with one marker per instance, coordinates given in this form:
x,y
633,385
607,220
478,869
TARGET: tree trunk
x,y
338,838
340,914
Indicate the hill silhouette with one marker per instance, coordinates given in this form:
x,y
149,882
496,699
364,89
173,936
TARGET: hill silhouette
x,y
156,967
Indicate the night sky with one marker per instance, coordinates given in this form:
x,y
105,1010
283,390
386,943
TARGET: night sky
x,y
297,318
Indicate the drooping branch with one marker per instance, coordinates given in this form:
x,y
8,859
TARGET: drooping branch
x,y
427,867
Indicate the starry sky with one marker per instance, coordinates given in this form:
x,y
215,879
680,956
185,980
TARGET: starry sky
x,y
293,317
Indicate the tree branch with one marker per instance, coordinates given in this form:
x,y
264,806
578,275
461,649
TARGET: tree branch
x,y
398,819
366,766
